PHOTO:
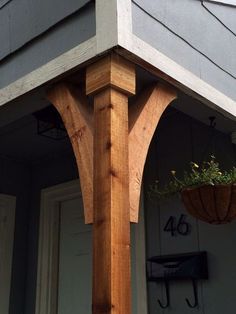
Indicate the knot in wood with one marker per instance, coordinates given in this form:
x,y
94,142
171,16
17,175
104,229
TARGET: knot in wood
x,y
78,134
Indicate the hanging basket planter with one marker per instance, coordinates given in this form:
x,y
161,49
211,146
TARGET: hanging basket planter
x,y
214,204
208,193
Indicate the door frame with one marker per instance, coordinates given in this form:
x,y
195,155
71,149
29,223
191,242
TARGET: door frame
x,y
48,252
7,228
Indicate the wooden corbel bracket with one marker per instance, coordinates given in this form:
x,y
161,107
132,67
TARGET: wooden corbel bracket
x,y
144,116
77,116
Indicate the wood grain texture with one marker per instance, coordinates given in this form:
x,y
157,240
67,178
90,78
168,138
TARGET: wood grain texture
x,y
143,119
113,71
77,116
111,228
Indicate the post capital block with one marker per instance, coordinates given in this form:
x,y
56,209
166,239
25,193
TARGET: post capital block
x,y
111,71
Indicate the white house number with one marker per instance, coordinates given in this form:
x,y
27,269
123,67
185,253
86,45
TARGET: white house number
x,y
177,226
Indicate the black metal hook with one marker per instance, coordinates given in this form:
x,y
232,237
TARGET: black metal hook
x,y
192,306
167,296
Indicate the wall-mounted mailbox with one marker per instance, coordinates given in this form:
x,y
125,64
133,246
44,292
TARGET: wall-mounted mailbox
x,y
189,266
178,267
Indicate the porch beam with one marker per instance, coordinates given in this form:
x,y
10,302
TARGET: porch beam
x,y
111,80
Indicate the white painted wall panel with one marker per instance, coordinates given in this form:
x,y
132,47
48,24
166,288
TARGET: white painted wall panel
x,y
226,15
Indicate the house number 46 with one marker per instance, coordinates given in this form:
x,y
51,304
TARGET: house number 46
x,y
177,226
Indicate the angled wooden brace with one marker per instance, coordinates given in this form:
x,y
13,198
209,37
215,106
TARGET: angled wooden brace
x,y
77,116
143,120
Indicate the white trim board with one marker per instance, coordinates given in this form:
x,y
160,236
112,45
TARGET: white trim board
x,y
47,275
106,25
51,70
113,23
7,227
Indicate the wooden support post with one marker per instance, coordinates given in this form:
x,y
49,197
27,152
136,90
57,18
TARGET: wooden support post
x,y
112,79
111,154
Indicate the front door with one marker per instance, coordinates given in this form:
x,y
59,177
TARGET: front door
x,y
66,245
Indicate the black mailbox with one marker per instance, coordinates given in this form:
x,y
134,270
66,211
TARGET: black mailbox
x,y
178,267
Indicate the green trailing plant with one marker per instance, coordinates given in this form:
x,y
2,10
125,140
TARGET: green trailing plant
x,y
208,173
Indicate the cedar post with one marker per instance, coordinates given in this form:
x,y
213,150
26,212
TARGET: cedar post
x,y
111,80
111,154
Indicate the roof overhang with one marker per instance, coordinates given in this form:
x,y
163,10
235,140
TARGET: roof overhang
x,y
117,17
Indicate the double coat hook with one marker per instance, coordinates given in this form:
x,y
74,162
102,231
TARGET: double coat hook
x,y
191,305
